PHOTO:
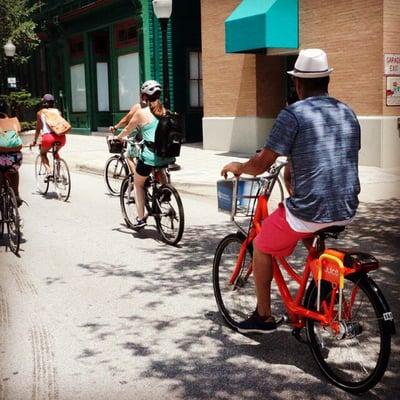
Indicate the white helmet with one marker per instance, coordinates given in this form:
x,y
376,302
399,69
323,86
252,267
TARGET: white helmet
x,y
150,87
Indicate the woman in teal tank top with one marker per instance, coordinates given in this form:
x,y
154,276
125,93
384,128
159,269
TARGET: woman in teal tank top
x,y
145,121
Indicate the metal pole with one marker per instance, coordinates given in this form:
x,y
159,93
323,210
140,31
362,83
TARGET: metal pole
x,y
164,29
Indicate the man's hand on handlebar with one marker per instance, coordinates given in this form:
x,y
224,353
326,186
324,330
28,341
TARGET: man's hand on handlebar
x,y
234,167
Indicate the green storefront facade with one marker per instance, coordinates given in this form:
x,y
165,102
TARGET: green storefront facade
x,y
94,55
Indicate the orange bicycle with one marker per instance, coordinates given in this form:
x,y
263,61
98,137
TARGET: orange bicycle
x,y
336,308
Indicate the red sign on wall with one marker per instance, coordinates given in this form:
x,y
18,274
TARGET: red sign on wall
x,y
392,64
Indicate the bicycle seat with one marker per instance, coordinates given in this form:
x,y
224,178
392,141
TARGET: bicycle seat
x,y
57,143
331,231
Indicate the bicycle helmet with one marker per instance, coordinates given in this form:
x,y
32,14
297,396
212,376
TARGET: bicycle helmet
x,y
150,87
48,97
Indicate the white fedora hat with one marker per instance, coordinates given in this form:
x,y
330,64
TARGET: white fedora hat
x,y
311,63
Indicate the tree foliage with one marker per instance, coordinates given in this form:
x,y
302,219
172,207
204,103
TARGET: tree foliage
x,y
22,105
16,23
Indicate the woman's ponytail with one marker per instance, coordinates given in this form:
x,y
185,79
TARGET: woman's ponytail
x,y
157,108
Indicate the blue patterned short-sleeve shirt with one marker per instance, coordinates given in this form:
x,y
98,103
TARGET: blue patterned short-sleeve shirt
x,y
321,136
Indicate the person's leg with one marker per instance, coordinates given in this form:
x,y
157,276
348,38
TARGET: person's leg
x,y
139,181
45,160
58,138
275,239
263,274
163,176
131,164
13,179
45,146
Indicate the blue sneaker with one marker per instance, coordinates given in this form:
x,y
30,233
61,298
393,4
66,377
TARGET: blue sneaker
x,y
258,324
140,223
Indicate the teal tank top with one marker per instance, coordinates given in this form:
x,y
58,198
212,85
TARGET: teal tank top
x,y
147,156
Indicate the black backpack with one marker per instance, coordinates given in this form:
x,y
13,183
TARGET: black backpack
x,y
168,136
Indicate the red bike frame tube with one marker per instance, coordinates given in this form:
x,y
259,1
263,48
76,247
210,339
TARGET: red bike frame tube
x,y
295,310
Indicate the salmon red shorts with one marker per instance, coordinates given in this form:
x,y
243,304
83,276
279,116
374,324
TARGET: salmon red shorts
x,y
49,138
277,237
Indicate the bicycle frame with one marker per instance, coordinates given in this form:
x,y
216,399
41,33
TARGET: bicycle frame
x,y
297,313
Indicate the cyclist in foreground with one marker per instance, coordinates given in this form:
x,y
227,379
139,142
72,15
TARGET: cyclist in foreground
x,y
145,121
321,136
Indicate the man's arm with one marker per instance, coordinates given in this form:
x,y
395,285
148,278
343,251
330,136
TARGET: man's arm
x,y
256,165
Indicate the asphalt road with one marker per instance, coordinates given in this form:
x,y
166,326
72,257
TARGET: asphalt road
x,y
92,310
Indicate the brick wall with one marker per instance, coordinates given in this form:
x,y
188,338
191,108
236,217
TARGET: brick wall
x,y
391,41
354,33
229,80
350,31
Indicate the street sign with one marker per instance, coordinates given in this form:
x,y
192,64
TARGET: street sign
x,y
392,64
11,82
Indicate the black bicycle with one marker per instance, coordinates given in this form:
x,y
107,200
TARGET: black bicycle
x,y
162,201
116,168
10,222
60,176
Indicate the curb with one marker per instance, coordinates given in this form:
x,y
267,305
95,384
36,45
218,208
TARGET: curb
x,y
198,189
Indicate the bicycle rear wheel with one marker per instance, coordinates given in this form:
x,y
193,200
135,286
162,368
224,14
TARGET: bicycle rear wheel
x,y
236,301
40,176
170,219
62,180
127,201
356,358
12,221
115,172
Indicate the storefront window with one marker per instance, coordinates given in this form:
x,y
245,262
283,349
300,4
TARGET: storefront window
x,y
128,80
78,88
195,80
102,86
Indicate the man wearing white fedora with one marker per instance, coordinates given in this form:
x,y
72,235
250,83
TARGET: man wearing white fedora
x,y
321,136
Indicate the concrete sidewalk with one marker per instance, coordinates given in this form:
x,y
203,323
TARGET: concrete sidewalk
x,y
200,169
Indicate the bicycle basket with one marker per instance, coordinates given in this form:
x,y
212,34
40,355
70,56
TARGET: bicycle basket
x,y
237,196
115,146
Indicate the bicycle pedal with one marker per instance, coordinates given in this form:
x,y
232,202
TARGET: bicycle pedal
x,y
299,335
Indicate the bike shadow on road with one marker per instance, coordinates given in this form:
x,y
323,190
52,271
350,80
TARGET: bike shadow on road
x,y
374,230
146,233
212,361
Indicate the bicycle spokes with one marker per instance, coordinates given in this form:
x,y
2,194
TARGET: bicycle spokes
x,y
352,351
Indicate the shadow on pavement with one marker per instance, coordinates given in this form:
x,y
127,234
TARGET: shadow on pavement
x,y
211,361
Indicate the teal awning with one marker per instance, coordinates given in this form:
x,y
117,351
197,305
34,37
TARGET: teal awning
x,y
262,24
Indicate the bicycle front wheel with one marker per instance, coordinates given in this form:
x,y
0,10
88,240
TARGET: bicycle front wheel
x,y
40,176
170,219
13,222
236,300
355,358
62,180
128,202
115,172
